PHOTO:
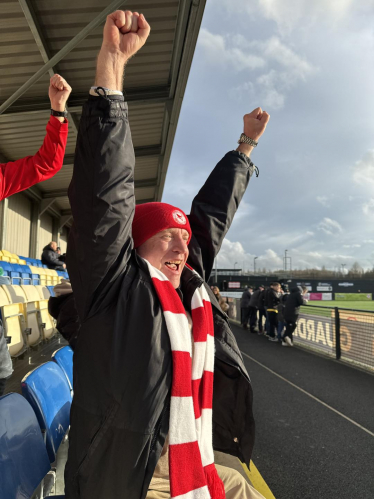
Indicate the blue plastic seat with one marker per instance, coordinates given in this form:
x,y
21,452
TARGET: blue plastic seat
x,y
23,457
26,274
15,274
51,290
48,391
64,358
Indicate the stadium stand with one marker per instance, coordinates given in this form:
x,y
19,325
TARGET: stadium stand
x,y
26,463
24,301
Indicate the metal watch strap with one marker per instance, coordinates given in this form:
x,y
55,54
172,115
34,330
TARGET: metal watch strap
x,y
247,140
59,114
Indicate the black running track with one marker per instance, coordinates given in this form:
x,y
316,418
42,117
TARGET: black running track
x,y
303,449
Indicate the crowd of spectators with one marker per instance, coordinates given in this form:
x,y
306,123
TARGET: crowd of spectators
x,y
273,311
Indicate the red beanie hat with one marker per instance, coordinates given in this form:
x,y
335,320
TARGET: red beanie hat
x,y
151,218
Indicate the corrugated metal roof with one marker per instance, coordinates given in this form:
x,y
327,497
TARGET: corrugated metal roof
x,y
34,31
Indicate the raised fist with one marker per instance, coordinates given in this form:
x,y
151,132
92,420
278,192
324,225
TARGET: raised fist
x,y
255,123
59,91
125,32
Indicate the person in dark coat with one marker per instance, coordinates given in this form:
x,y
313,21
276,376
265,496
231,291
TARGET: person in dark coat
x,y
271,302
254,305
244,307
291,312
124,359
261,312
51,258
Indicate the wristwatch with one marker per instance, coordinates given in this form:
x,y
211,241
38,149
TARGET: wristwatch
x,y
59,114
247,140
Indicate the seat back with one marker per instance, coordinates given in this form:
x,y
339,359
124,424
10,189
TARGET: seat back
x,y
47,390
14,319
64,358
46,319
33,315
23,458
43,291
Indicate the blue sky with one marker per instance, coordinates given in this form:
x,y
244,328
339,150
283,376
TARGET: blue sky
x,y
310,64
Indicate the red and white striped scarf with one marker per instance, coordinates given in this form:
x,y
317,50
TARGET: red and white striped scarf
x,y
191,460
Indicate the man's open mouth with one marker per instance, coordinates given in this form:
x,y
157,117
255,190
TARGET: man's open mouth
x,y
173,265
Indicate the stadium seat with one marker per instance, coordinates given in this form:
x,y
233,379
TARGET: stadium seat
x,y
24,461
43,291
12,315
35,274
64,358
51,290
33,316
6,270
48,391
27,276
30,310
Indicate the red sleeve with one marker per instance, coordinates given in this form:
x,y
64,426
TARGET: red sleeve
x,y
19,175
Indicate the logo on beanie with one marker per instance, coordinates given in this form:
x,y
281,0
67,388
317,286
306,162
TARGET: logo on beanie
x,y
179,217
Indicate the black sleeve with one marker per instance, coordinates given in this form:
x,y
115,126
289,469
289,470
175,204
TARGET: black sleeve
x,y
102,199
52,258
214,207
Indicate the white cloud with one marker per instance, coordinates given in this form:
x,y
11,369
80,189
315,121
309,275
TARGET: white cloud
x,y
290,69
289,14
219,50
330,227
369,241
368,208
363,171
324,200
351,245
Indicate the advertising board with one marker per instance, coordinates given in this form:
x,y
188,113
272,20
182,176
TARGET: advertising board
x,y
353,296
232,284
324,286
356,335
320,296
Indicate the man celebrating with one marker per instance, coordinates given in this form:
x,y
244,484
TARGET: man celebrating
x,y
152,333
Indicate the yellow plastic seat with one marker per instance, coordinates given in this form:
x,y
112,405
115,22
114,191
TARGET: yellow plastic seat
x,y
43,292
6,253
5,258
14,323
49,327
22,262
34,322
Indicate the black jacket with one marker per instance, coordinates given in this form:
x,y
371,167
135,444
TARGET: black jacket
x,y
51,258
292,306
245,299
122,360
63,309
271,299
256,300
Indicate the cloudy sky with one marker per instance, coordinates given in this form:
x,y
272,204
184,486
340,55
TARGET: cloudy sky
x,y
310,64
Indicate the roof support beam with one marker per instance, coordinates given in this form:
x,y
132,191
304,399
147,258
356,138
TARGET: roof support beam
x,y
37,33
45,204
63,221
62,53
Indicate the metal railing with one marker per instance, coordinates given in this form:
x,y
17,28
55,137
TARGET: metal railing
x,y
340,333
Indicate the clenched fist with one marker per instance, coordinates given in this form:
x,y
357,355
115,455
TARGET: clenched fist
x,y
125,32
255,123
59,91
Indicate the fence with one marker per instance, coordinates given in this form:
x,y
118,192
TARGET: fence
x,y
343,334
